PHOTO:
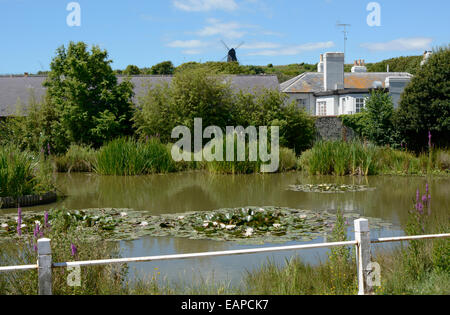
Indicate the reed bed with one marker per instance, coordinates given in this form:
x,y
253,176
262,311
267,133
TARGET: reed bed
x,y
23,173
128,157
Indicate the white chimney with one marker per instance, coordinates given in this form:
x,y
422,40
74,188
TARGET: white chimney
x,y
320,66
333,71
359,66
426,56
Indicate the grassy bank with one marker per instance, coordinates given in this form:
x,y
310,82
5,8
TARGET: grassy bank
x,y
24,173
355,158
129,157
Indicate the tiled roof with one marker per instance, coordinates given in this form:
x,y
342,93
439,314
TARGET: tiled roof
x,y
20,88
312,82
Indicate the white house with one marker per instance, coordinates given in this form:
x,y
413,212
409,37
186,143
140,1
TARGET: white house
x,y
332,92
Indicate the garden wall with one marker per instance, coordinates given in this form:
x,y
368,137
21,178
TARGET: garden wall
x,y
331,128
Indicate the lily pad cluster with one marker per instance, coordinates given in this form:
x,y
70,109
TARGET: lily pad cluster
x,y
249,225
330,188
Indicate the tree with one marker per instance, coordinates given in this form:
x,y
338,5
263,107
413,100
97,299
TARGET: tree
x,y
132,70
379,113
163,68
425,104
90,106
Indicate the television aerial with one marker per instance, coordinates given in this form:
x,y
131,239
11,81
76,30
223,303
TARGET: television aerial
x,y
231,56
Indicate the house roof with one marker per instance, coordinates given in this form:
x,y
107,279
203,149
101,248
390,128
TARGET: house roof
x,y
312,82
15,88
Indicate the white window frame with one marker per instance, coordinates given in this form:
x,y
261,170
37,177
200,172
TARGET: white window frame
x,y
322,108
358,106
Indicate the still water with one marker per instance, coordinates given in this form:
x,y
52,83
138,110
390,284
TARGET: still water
x,y
199,191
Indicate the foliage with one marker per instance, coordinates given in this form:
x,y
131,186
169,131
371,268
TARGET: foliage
x,y
425,104
89,104
410,64
375,123
77,159
27,129
163,68
132,70
340,158
68,244
23,173
127,157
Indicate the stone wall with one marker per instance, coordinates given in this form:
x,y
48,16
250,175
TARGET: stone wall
x,y
331,128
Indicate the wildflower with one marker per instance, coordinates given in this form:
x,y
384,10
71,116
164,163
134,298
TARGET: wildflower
x,y
181,218
277,226
429,139
73,249
4,226
419,207
145,223
123,214
48,148
46,219
19,221
230,227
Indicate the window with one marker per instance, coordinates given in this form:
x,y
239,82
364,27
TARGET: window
x,y
360,104
301,102
322,108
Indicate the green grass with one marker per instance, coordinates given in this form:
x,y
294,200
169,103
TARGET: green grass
x,y
23,173
355,158
77,159
128,157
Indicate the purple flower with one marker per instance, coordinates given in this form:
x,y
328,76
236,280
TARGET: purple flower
x,y
418,195
429,139
48,149
419,207
19,221
424,199
74,249
36,231
46,219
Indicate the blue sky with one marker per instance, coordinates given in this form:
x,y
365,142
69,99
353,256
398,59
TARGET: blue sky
x,y
145,32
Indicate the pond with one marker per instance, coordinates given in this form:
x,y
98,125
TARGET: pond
x,y
387,198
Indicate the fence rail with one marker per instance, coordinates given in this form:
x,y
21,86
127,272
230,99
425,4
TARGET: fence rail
x,y
362,242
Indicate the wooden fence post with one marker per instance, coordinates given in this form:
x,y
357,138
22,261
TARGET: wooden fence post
x,y
44,266
362,236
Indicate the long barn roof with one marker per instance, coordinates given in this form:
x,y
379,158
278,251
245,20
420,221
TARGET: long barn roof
x,y
19,88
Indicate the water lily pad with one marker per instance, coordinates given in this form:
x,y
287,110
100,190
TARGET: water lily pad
x,y
329,188
250,225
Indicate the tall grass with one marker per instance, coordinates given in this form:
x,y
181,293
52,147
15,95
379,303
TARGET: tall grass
x,y
128,157
77,159
355,158
23,173
340,158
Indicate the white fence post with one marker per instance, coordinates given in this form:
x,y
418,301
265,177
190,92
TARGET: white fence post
x,y
44,266
362,236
